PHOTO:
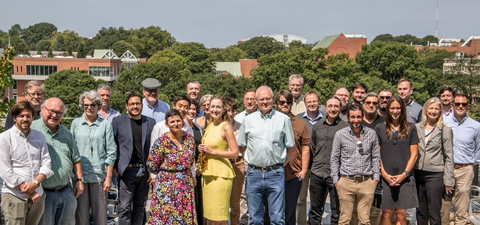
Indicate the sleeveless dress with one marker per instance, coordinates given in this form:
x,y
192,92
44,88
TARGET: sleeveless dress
x,y
217,178
173,196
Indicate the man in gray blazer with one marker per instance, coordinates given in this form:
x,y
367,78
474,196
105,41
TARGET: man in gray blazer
x,y
132,136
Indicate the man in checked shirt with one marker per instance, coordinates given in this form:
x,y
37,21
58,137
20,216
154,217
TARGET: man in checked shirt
x,y
355,165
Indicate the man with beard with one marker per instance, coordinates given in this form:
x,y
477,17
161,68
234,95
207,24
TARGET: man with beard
x,y
405,90
132,137
343,94
384,95
446,97
358,91
295,84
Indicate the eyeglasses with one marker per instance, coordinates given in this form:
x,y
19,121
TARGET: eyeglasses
x,y
89,105
371,103
283,102
35,94
385,97
131,104
58,113
458,104
395,137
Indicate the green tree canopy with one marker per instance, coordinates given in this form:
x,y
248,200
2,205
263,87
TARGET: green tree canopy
x,y
106,37
61,41
168,55
44,45
229,54
39,31
260,46
122,46
198,58
81,51
150,40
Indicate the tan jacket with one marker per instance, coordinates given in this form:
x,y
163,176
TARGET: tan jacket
x,y
431,157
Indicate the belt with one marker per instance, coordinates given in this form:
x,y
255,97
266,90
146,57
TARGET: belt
x,y
60,189
458,166
358,178
135,165
266,168
238,159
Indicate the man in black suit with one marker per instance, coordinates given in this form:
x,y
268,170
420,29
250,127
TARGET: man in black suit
x,y
132,136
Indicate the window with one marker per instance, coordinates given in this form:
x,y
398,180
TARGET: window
x,y
41,70
100,71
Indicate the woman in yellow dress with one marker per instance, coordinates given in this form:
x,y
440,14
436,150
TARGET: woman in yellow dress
x,y
218,175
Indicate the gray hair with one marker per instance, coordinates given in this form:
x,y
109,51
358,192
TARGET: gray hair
x,y
64,108
256,93
205,98
195,82
33,83
104,87
370,94
295,76
90,95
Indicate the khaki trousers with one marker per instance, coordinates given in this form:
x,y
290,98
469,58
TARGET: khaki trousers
x,y
463,182
237,189
19,212
302,200
351,193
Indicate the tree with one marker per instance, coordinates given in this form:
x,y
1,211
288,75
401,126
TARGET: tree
x,y
430,39
106,37
6,80
81,51
69,51
15,30
37,32
44,45
463,75
61,41
150,40
168,55
122,46
229,54
260,46
198,58
39,51
50,53
299,44
433,58
68,85
384,38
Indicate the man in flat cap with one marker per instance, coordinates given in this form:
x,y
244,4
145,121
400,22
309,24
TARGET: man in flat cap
x,y
152,107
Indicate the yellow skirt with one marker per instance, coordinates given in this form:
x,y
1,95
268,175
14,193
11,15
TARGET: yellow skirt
x,y
216,197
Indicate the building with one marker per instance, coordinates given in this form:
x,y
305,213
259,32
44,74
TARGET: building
x,y
471,46
284,38
342,43
462,65
236,69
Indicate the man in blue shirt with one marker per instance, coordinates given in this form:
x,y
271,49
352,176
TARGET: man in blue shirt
x,y
466,150
152,107
263,139
105,111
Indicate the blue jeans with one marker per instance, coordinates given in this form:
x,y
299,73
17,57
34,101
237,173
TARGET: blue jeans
x,y
60,207
269,185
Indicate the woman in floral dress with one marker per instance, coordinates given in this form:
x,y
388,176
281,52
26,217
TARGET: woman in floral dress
x,y
171,158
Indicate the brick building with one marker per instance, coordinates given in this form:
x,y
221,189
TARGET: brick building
x,y
342,43
471,46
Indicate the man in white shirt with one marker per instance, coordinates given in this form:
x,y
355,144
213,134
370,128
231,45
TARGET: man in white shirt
x,y
25,163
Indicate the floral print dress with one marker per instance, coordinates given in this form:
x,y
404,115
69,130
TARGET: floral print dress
x,y
173,195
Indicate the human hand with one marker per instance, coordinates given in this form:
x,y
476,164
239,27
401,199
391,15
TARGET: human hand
x,y
29,188
204,148
389,180
449,189
375,183
107,184
151,180
35,197
398,178
301,174
78,189
194,181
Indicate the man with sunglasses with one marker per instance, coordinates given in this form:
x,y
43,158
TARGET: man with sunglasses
x,y
370,104
152,106
466,150
35,94
384,95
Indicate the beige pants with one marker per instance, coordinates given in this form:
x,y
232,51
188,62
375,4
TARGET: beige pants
x,y
463,182
19,212
237,189
351,193
302,200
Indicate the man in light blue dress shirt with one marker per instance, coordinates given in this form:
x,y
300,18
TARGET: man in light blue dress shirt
x,y
152,107
263,139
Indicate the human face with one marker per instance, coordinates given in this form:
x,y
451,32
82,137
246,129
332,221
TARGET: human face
x,y
90,108
216,108
355,119
193,90
433,112
405,91
52,113
395,110
446,97
333,108
343,95
230,112
174,123
134,107
151,95
265,100
24,120
311,102
105,95
182,106
249,101
370,105
35,95
358,94
192,112
384,97
460,106
206,107
283,105
296,87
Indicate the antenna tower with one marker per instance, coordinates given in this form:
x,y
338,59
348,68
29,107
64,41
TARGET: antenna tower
x,y
436,24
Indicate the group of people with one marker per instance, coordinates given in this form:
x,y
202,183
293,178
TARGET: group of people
x,y
378,157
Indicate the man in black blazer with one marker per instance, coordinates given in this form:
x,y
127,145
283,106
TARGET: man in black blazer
x,y
132,136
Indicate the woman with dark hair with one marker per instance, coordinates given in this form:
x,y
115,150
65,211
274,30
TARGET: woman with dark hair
x,y
197,137
171,158
217,173
434,167
398,142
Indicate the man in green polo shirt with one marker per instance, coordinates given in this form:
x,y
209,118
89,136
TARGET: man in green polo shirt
x,y
60,203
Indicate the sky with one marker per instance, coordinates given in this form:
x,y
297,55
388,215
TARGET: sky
x,y
221,23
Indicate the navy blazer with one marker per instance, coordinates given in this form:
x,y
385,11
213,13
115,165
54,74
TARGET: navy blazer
x,y
122,130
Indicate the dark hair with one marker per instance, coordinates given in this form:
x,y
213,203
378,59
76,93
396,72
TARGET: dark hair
x,y
18,108
447,88
224,114
172,112
232,103
460,94
287,94
180,98
404,124
197,106
387,90
354,107
332,97
132,95
360,85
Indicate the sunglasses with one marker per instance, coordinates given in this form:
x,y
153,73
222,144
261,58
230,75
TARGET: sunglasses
x,y
458,104
395,137
371,103
283,102
385,97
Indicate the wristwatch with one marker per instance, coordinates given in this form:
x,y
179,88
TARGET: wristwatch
x,y
406,172
36,183
80,179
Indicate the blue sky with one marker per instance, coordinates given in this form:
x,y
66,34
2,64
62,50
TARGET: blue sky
x,y
220,23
